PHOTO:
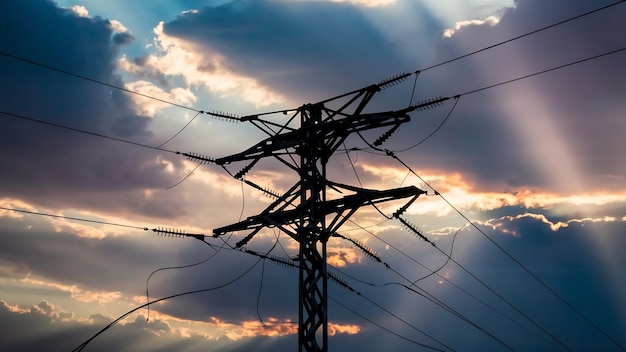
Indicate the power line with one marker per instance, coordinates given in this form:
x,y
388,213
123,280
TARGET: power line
x,y
84,344
85,132
435,272
544,71
75,218
56,69
381,326
233,117
522,36
512,258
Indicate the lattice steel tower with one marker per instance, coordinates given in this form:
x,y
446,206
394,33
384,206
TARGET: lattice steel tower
x,y
303,211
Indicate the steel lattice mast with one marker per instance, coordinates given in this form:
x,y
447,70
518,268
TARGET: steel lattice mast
x,y
304,212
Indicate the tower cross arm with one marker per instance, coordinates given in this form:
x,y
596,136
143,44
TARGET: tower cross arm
x,y
329,130
351,203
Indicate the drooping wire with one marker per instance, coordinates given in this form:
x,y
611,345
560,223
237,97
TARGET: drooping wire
x,y
84,344
173,268
198,263
177,133
448,258
456,101
417,73
258,297
184,178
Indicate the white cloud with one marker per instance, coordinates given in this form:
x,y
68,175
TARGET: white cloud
x,y
117,26
81,11
149,107
368,3
490,21
175,57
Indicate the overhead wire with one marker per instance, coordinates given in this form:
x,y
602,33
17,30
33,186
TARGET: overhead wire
x,y
66,72
84,344
516,261
438,302
74,129
430,67
177,133
383,327
75,218
521,36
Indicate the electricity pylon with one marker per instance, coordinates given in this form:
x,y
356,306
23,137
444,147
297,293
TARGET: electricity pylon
x,y
304,212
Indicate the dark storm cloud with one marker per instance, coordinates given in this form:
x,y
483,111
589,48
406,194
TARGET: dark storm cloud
x,y
312,50
40,160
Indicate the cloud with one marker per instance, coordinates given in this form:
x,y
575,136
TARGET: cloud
x,y
180,58
490,21
57,164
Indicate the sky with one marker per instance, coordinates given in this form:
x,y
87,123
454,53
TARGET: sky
x,y
522,166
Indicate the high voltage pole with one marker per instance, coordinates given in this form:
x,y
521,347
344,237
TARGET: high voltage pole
x,y
304,212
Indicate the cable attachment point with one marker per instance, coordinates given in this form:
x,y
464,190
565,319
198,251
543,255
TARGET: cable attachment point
x,y
415,230
368,251
392,81
224,116
386,135
201,158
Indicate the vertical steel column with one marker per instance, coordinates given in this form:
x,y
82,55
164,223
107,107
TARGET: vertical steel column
x,y
313,327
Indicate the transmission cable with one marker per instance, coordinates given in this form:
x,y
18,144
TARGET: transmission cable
x,y
456,101
177,133
544,71
512,258
84,344
522,36
74,129
382,327
75,218
435,272
52,68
